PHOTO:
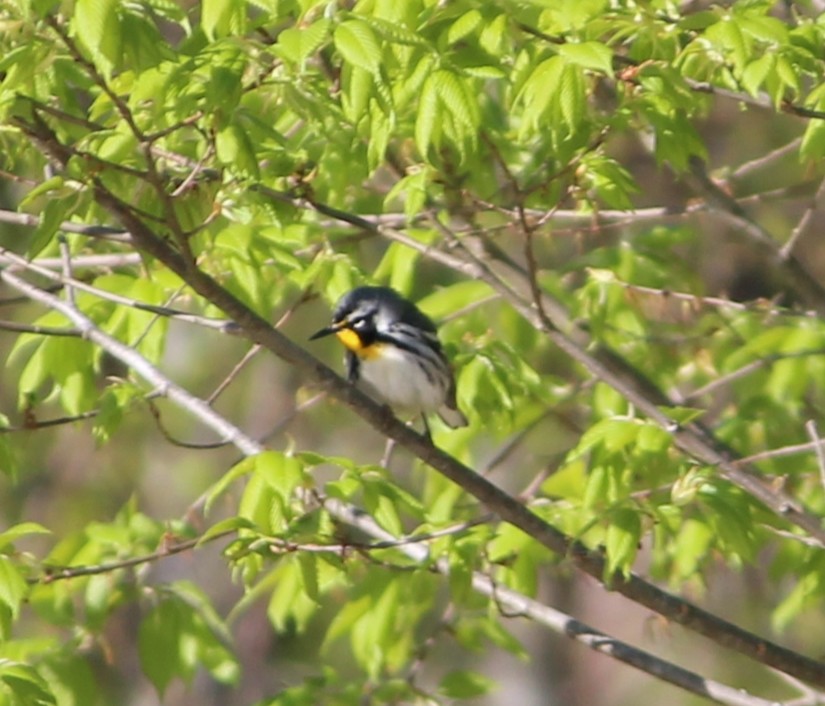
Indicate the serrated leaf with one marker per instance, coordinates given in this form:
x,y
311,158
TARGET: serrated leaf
x,y
571,96
15,532
281,472
97,27
221,18
298,44
359,88
308,563
813,141
446,301
236,151
493,35
427,117
539,91
589,55
756,72
13,587
55,183
463,26
394,32
230,524
622,541
240,469
356,42
464,684
691,547
454,94
412,191
158,645
27,687
289,606
397,267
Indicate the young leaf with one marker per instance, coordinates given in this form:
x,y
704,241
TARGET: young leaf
x,y
356,42
464,684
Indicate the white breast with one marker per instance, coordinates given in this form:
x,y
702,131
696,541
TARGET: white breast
x,y
398,380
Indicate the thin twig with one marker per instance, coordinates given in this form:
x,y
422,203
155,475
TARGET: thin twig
x,y
746,169
39,330
219,324
93,231
66,260
50,574
802,228
810,427
134,360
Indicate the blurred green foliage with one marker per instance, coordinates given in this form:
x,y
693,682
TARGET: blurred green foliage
x,y
234,130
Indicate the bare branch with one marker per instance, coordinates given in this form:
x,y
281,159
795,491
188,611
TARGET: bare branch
x,y
40,330
93,231
745,370
197,407
51,574
810,427
23,264
766,160
802,228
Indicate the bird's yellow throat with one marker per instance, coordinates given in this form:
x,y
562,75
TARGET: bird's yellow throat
x,y
354,343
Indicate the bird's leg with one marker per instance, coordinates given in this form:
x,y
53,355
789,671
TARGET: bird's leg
x,y
389,447
427,432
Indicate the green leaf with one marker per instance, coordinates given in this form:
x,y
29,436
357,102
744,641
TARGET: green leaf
x,y
446,301
426,131
691,548
464,684
181,633
463,26
589,55
813,141
539,92
97,26
493,36
359,88
375,631
356,42
290,606
622,541
298,44
242,468
571,96
398,266
412,189
756,72
55,183
221,18
15,532
456,97
236,151
13,587
27,687
230,524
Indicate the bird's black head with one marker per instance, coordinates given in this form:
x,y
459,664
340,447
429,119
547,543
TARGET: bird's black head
x,y
368,312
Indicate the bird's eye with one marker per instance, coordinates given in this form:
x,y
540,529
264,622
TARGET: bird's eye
x,y
359,324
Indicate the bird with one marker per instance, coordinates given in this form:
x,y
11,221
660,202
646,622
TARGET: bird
x,y
394,354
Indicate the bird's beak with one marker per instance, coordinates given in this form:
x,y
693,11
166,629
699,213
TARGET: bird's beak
x,y
324,332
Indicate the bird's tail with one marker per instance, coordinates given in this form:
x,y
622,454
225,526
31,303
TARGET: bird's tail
x,y
452,417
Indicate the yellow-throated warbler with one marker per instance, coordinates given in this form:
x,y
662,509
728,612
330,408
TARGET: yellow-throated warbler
x,y
393,351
